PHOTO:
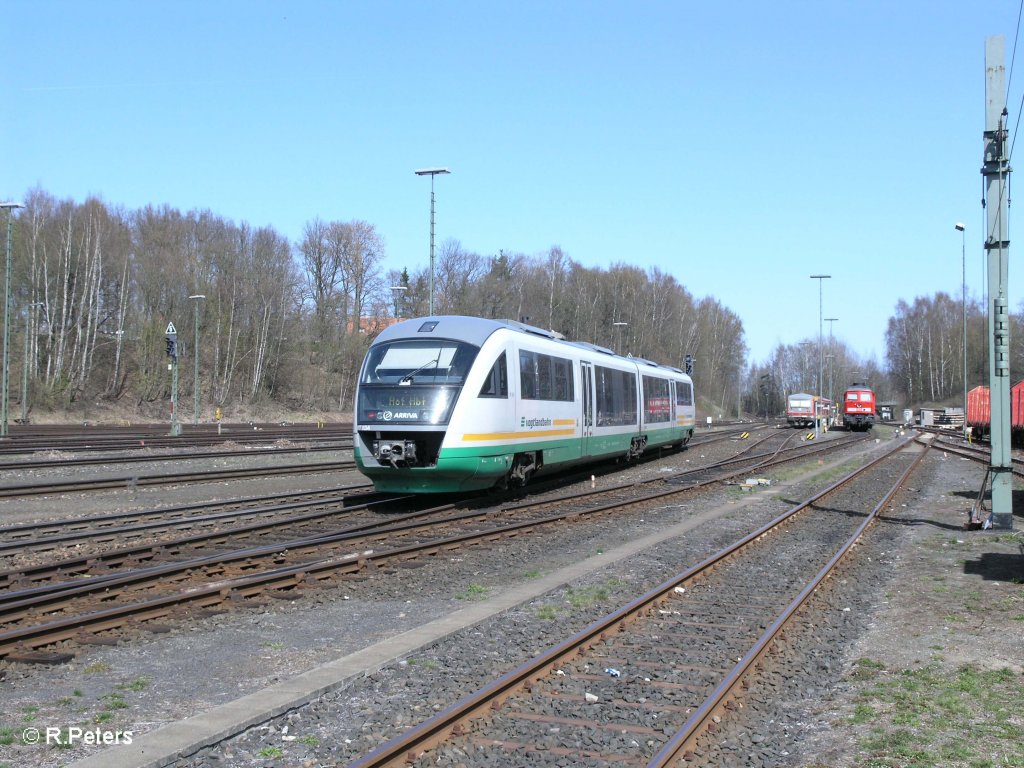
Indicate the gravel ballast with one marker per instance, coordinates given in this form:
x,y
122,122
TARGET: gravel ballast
x,y
165,678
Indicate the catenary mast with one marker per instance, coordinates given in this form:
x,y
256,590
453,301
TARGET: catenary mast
x,y
996,170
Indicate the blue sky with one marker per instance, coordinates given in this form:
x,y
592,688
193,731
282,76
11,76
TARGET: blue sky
x,y
740,146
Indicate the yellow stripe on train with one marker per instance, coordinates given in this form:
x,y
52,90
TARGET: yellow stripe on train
x,y
518,435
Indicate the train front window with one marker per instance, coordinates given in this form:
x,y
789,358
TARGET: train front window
x,y
414,381
419,361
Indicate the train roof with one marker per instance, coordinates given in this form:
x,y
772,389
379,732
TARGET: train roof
x,y
476,330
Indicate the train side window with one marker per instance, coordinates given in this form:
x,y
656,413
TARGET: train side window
x,y
563,380
684,393
544,377
615,397
656,405
496,383
528,375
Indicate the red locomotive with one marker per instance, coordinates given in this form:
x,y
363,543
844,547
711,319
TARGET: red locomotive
x,y
858,408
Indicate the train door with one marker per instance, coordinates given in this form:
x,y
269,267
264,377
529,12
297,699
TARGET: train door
x,y
587,395
672,405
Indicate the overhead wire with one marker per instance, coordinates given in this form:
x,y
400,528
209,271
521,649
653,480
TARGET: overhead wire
x,y
1009,81
1003,186
1013,140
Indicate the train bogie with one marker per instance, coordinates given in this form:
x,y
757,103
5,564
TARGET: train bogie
x,y
462,404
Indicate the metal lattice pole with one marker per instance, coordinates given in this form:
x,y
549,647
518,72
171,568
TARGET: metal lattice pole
x,y
195,361
5,394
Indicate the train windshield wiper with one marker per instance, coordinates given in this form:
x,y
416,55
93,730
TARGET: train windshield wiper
x,y
407,379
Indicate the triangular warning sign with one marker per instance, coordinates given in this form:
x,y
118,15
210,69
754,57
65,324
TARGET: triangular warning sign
x,y
171,330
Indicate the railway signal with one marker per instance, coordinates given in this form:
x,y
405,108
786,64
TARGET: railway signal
x,y
171,335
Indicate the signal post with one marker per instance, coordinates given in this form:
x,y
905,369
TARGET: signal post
x,y
171,336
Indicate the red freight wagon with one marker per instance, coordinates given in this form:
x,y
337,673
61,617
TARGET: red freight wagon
x,y
979,410
1017,406
979,414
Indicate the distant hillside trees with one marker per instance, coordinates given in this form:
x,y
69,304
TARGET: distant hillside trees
x,y
95,286
925,352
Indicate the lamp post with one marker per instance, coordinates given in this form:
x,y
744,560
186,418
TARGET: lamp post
x,y
5,394
821,279
959,227
195,360
24,366
431,172
398,291
831,359
619,325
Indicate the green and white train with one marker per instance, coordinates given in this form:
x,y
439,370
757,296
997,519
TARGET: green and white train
x,y
451,403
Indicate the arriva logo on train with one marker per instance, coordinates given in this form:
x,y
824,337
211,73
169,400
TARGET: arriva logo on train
x,y
389,415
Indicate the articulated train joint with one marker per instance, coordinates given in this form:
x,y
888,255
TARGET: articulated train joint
x,y
401,453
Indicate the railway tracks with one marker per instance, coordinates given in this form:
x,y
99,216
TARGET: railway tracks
x,y
120,528
78,601
55,532
21,465
28,439
975,453
648,683
203,523
167,478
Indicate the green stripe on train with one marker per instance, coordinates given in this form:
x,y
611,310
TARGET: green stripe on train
x,y
480,467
